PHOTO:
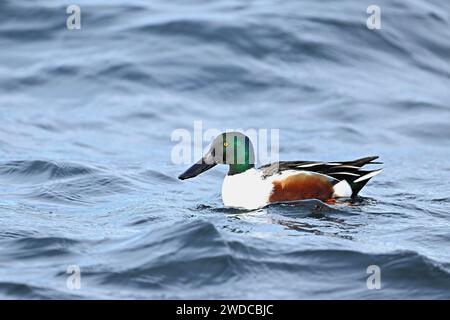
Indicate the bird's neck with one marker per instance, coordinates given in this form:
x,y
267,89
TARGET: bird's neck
x,y
239,168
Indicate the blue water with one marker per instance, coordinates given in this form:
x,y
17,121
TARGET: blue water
x,y
86,176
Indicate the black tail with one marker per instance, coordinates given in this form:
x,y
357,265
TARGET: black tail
x,y
362,162
357,185
351,172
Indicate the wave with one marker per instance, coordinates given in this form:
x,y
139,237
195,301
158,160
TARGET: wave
x,y
39,171
168,260
62,182
191,256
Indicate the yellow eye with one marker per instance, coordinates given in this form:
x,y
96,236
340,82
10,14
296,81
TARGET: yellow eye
x,y
226,144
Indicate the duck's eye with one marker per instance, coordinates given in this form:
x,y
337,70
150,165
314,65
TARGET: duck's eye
x,y
226,144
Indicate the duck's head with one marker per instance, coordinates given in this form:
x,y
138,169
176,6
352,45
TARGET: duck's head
x,y
232,148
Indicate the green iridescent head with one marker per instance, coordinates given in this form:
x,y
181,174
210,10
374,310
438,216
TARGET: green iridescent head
x,y
232,148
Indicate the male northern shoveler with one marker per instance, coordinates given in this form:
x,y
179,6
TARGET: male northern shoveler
x,y
250,188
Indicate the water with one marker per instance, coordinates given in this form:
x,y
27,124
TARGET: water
x,y
86,176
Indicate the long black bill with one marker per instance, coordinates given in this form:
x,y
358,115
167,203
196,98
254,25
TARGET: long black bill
x,y
196,169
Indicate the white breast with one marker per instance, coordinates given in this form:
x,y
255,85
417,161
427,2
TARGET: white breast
x,y
246,190
250,191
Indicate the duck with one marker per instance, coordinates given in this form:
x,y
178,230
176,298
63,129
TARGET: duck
x,y
250,188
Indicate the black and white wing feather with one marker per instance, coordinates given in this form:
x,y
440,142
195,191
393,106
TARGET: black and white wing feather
x,y
349,171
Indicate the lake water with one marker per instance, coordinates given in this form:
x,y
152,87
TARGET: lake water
x,y
86,175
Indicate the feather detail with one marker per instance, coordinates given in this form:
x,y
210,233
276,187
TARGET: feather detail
x,y
349,171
